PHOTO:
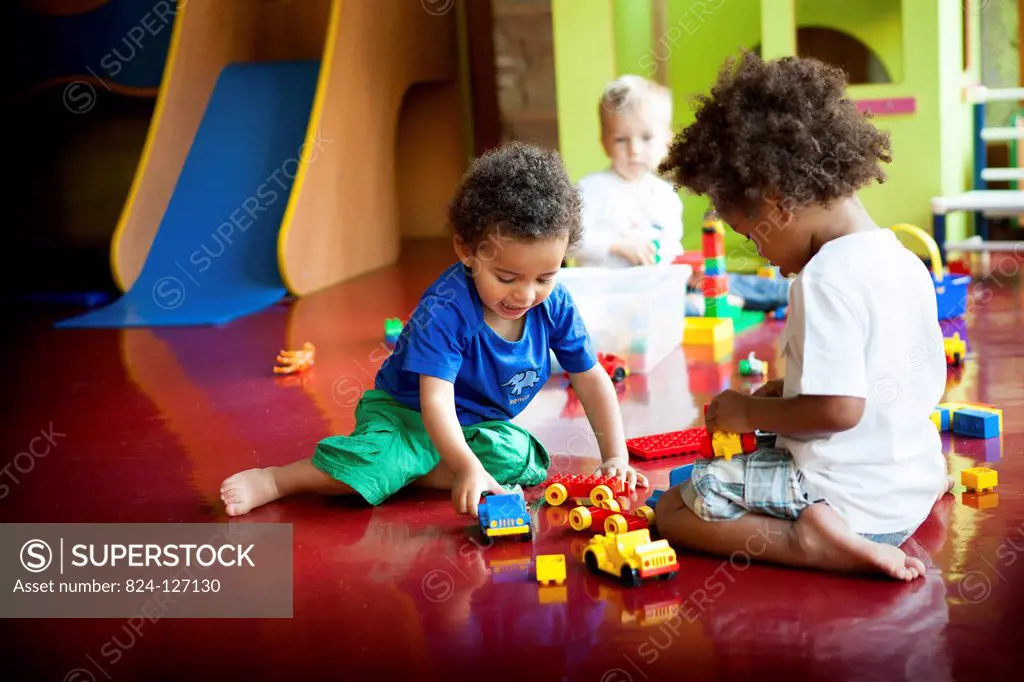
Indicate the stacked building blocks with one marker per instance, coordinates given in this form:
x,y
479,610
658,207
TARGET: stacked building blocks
x,y
750,365
561,487
956,350
707,331
631,557
979,478
392,330
716,283
550,569
976,423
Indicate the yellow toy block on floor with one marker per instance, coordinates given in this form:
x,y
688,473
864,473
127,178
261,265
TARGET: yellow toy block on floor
x,y
937,419
706,331
551,569
979,478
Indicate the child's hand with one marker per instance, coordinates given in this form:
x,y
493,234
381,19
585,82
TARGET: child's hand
x,y
770,389
729,412
637,250
618,466
469,484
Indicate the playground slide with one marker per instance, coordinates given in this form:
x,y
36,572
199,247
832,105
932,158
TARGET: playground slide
x,y
283,102
214,258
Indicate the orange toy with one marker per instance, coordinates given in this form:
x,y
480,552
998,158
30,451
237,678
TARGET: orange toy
x,y
291,361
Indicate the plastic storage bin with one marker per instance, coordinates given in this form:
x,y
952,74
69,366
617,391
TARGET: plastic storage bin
x,y
636,313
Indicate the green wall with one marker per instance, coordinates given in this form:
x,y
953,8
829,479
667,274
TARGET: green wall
x,y
632,26
584,64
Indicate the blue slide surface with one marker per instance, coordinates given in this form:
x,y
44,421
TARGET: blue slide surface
x,y
214,257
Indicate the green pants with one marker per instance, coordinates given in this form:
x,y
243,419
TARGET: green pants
x,y
389,449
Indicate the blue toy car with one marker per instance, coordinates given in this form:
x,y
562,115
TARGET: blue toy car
x,y
504,514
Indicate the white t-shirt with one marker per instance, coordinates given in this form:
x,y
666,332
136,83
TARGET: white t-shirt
x,y
863,323
614,207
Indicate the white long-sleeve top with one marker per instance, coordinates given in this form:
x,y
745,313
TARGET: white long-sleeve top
x,y
614,208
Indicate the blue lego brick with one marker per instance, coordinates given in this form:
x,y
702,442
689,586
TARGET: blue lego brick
x,y
944,417
976,423
680,474
652,501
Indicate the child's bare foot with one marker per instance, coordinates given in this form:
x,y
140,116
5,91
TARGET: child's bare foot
x,y
247,490
829,543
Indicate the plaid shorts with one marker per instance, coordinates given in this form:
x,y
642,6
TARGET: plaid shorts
x,y
763,482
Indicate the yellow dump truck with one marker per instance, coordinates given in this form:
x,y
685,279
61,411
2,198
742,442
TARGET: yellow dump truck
x,y
631,556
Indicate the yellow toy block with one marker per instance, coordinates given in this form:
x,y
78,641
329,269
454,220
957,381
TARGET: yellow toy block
x,y
979,478
726,444
714,352
551,569
936,418
702,331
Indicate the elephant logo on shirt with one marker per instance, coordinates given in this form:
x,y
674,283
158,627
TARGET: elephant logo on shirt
x,y
522,380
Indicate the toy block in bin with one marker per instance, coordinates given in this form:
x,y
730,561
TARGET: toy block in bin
x,y
976,423
714,285
979,478
680,474
703,331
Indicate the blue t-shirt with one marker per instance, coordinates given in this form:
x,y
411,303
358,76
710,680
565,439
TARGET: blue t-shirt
x,y
494,379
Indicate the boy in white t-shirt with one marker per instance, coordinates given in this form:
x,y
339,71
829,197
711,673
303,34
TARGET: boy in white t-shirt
x,y
633,217
857,464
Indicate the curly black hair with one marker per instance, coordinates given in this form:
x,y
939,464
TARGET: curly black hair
x,y
783,129
522,191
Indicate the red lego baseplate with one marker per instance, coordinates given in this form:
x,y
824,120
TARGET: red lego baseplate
x,y
693,442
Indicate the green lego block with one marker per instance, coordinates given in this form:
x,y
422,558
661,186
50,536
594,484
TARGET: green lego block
x,y
716,307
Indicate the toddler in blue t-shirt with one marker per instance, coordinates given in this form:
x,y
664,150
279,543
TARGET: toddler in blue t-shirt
x,y
474,353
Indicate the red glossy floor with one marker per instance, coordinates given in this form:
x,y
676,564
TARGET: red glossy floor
x,y
146,424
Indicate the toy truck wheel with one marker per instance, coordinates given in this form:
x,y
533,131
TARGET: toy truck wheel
x,y
556,494
630,576
616,523
957,359
664,577
580,518
646,513
590,561
618,375
610,505
527,536
600,494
